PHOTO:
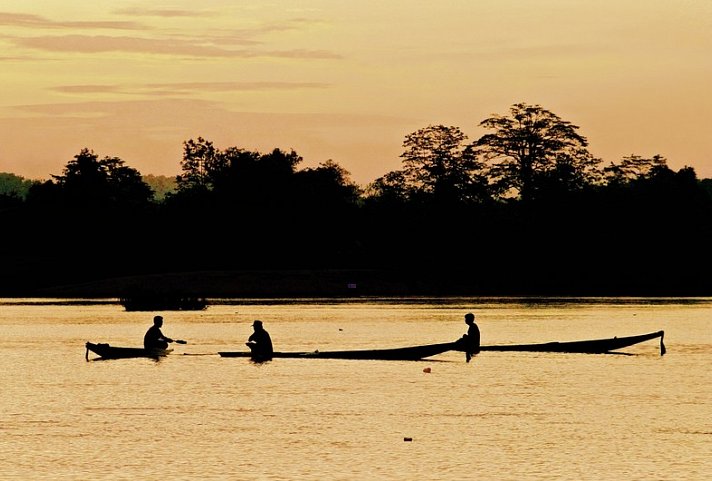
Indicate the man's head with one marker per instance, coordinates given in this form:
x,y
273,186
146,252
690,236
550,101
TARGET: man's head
x,y
158,321
257,325
469,318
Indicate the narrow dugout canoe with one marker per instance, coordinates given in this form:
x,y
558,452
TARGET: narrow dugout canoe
x,y
593,346
106,351
414,353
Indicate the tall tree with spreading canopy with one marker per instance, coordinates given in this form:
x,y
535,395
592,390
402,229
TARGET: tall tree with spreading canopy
x,y
200,162
438,161
90,182
249,177
533,148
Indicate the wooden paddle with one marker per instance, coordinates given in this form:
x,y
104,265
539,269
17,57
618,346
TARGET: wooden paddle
x,y
180,341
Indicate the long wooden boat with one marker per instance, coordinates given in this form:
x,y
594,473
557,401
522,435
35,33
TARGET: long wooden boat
x,y
106,351
414,353
593,346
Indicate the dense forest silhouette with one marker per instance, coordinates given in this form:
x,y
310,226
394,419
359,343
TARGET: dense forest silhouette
x,y
523,210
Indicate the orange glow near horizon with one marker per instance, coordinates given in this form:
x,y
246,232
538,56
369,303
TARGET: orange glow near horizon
x,y
347,81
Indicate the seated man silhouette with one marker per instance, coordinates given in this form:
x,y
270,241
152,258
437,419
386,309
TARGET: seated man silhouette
x,y
471,340
260,343
154,338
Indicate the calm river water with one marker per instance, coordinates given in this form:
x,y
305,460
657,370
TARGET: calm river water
x,y
504,416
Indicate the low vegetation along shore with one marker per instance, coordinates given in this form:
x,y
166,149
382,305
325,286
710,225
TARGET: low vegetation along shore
x,y
196,286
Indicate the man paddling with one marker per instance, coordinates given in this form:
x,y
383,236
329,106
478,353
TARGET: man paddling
x,y
154,338
260,343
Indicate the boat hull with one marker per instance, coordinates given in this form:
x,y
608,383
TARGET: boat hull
x,y
106,351
594,346
415,353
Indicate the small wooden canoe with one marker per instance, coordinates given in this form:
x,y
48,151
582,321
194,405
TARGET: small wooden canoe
x,y
106,351
415,353
593,346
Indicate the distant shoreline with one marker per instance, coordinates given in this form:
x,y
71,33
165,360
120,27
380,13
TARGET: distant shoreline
x,y
323,283
245,284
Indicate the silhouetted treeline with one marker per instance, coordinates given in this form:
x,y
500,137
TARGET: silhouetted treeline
x,y
524,209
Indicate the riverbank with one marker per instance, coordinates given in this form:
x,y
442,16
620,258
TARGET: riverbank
x,y
261,283
313,283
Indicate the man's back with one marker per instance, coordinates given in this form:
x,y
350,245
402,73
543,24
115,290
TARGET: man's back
x,y
152,338
473,336
263,341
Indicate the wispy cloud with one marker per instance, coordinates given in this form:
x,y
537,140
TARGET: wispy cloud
x,y
17,58
165,46
177,111
240,40
286,25
222,86
36,21
87,89
185,88
163,12
26,20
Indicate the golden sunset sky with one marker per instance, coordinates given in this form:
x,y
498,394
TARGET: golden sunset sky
x,y
345,80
